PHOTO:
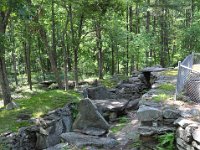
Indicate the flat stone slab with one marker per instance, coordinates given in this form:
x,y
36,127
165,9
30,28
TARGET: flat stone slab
x,y
111,104
153,69
148,131
82,140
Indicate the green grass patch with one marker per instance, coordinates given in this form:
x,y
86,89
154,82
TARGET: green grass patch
x,y
121,124
35,106
162,97
173,72
167,87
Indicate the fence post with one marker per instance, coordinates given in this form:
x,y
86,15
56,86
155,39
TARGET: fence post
x,y
177,82
192,59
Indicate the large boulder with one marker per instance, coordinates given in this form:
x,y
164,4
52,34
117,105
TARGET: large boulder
x,y
89,120
81,140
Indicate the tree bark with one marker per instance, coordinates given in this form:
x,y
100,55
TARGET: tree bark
x,y
27,50
127,39
53,33
51,58
99,47
147,30
3,75
113,58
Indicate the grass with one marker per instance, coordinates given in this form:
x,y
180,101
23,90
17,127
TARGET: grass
x,y
166,91
173,72
161,97
167,87
121,124
35,106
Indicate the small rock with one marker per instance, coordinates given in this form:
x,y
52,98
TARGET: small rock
x,y
171,113
183,122
196,145
196,135
133,104
183,144
81,140
11,105
146,113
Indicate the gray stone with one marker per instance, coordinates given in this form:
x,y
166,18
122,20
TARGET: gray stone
x,y
99,92
168,122
188,132
53,86
196,135
183,144
190,113
67,123
133,104
195,145
180,133
95,131
183,122
146,113
81,140
171,113
50,136
61,146
111,105
147,131
11,105
89,117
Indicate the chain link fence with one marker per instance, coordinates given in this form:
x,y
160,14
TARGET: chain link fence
x,y
188,80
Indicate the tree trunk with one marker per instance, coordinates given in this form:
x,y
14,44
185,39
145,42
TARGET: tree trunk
x,y
99,47
53,33
127,39
131,30
3,75
51,58
14,62
147,30
113,58
27,53
65,56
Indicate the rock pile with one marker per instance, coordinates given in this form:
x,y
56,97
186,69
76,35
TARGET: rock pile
x,y
44,134
156,120
187,134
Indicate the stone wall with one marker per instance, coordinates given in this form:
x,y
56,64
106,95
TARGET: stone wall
x,y
187,134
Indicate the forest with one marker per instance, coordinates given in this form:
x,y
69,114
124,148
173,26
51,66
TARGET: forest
x,y
72,40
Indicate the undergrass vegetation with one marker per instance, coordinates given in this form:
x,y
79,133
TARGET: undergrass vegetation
x,y
166,142
35,106
120,124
